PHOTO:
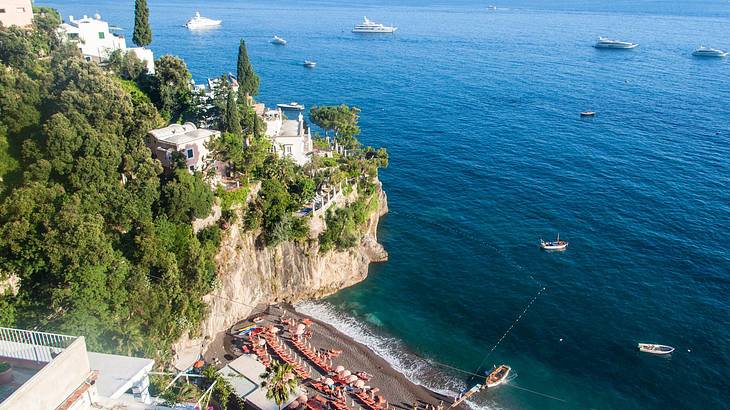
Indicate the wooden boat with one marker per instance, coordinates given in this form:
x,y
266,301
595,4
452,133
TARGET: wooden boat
x,y
498,376
494,378
556,245
588,114
655,349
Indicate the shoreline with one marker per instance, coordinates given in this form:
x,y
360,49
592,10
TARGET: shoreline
x,y
395,387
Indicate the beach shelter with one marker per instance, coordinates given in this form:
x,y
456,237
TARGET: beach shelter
x,y
351,378
329,382
360,384
345,373
339,369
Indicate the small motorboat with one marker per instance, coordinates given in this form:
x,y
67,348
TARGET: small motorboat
x,y
588,114
278,41
291,106
498,376
310,64
556,245
655,349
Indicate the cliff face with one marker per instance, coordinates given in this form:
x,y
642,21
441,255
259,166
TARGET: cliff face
x,y
250,275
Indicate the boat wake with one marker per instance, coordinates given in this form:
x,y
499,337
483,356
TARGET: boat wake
x,y
417,369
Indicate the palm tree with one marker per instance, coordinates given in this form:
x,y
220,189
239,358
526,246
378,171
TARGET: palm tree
x,y
280,382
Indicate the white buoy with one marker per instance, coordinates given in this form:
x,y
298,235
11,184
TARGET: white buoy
x,y
561,339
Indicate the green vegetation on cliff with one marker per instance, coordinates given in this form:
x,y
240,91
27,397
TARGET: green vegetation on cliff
x,y
100,240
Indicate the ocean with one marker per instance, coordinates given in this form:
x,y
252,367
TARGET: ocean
x,y
479,111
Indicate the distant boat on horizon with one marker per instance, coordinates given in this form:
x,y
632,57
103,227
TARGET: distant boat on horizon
x,y
201,22
368,26
604,42
703,51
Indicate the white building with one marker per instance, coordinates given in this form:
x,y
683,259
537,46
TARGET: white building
x,y
291,138
16,13
96,42
186,139
52,371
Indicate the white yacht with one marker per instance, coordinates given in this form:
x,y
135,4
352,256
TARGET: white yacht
x,y
310,64
291,106
279,41
201,22
604,42
368,26
709,52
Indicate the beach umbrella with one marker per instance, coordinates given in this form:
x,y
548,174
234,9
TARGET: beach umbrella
x,y
329,382
301,326
352,378
294,404
303,398
262,342
345,373
360,384
299,332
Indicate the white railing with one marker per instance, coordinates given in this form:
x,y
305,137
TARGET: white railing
x,y
34,346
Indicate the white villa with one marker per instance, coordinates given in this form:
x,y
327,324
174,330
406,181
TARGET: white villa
x,y
186,139
291,138
96,42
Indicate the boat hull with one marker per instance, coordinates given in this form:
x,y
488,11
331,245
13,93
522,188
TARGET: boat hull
x,y
655,349
385,30
616,46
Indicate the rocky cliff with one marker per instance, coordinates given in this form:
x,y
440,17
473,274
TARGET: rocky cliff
x,y
250,275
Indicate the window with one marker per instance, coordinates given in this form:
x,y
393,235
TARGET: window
x,y
101,35
287,149
73,36
190,153
2,10
20,9
191,168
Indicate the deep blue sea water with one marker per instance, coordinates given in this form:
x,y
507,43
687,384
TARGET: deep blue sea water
x,y
479,111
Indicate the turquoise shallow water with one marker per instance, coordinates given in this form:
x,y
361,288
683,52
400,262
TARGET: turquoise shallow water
x,y
479,111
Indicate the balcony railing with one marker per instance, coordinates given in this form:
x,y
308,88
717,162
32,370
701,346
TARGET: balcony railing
x,y
34,346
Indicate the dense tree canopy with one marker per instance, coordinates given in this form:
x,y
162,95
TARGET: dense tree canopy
x,y
340,119
88,225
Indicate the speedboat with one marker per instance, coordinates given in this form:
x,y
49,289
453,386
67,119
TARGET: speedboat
x,y
655,349
368,26
709,52
556,245
588,114
498,376
291,106
201,22
604,42
279,41
492,8
310,64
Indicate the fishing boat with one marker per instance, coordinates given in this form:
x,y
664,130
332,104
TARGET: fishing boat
x,y
278,41
588,114
655,349
310,64
556,245
498,376
291,106
493,379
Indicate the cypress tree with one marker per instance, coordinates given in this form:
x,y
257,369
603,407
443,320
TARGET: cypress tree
x,y
142,31
248,81
233,120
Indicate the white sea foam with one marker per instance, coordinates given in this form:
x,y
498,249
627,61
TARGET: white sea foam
x,y
417,369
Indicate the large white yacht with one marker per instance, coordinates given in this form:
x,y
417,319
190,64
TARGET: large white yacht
x,y
368,26
604,42
709,52
201,22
